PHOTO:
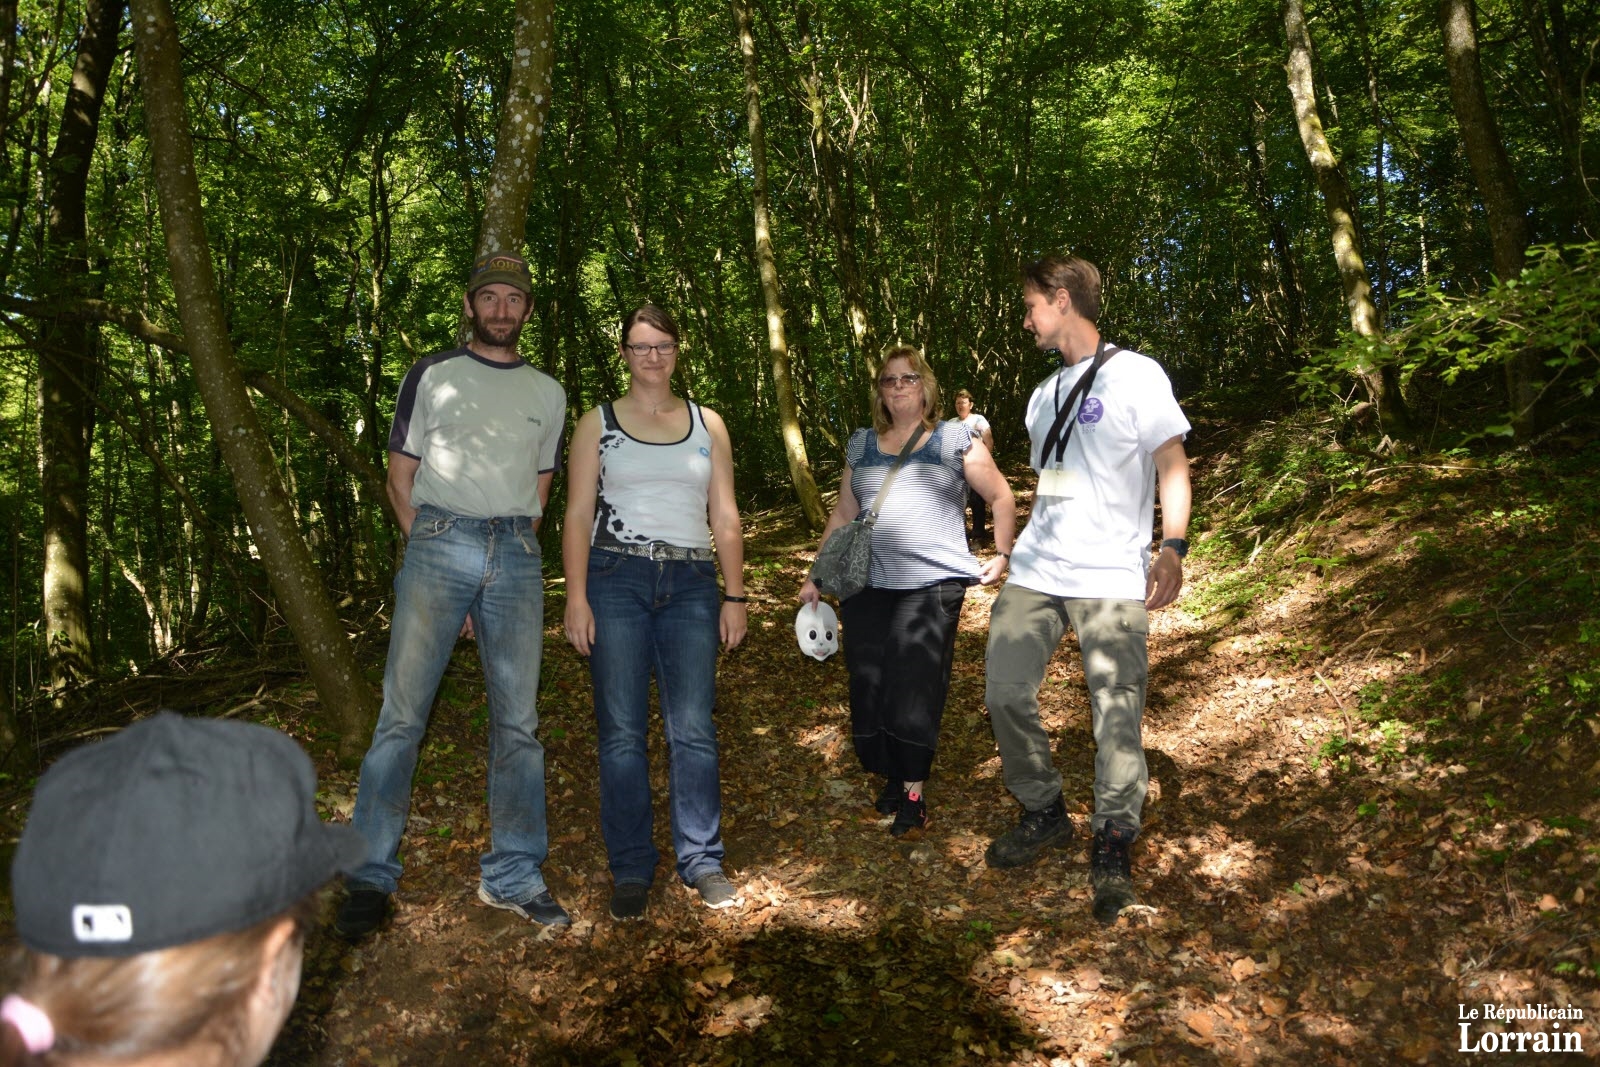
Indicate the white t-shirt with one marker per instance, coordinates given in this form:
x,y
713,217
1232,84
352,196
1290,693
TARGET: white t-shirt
x,y
976,425
484,432
1090,531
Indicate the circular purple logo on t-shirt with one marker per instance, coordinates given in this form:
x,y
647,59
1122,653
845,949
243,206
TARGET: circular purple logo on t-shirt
x,y
1091,411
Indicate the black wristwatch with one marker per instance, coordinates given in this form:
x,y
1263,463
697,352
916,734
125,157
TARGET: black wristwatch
x,y
1177,544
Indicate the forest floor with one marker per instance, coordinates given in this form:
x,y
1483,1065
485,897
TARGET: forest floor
x,y
1372,733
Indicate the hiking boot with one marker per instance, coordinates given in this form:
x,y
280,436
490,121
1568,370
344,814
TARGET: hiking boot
x,y
1111,870
715,890
1021,845
542,910
893,795
911,819
629,900
362,912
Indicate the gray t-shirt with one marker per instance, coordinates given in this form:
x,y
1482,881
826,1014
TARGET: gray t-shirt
x,y
483,431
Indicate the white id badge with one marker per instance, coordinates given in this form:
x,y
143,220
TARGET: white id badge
x,y
1057,482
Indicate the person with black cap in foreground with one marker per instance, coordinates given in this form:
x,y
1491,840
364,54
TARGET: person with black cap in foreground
x,y
162,887
475,444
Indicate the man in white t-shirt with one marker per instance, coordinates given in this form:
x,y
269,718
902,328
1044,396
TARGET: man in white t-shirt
x,y
1105,431
475,443
980,429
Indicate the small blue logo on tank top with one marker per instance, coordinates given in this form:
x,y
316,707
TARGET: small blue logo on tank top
x,y
704,451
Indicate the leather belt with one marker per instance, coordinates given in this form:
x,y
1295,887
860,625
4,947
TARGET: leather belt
x,y
657,550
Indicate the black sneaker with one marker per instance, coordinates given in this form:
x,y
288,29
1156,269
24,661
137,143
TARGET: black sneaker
x,y
1111,870
893,795
362,912
1021,845
629,900
911,819
715,890
542,910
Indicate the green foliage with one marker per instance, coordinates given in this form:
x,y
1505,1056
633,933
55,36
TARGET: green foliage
x,y
1552,310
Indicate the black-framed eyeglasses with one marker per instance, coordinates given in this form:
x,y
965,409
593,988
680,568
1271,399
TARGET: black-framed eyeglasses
x,y
666,348
889,381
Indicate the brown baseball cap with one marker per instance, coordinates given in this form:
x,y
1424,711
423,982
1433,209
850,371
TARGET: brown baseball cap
x,y
508,268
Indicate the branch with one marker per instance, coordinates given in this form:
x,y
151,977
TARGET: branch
x,y
142,328
98,311
349,457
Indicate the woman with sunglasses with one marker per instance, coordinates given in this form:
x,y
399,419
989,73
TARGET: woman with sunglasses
x,y
899,633
650,520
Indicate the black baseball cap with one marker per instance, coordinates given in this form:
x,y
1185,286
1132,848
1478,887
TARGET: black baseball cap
x,y
171,831
507,268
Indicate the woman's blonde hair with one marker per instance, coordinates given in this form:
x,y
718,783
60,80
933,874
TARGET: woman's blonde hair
x,y
129,1007
931,410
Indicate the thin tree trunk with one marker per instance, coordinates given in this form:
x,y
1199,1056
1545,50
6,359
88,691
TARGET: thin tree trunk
x,y
1509,231
293,573
1381,388
839,221
794,445
1282,249
66,411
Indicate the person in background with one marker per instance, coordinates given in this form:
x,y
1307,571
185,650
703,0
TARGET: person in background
x,y
475,443
1105,431
650,519
163,886
900,631
979,428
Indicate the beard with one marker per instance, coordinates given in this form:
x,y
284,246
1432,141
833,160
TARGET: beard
x,y
499,334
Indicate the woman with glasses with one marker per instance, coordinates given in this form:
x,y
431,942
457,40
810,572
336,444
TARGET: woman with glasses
x,y
650,520
899,633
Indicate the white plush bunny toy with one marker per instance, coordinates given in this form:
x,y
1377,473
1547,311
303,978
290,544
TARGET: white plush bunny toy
x,y
816,627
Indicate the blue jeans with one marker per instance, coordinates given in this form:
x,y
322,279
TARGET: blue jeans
x,y
490,569
657,617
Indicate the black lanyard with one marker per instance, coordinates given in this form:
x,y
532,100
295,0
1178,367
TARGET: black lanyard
x,y
1061,429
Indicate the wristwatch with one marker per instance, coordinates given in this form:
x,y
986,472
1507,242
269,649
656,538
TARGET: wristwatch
x,y
1177,544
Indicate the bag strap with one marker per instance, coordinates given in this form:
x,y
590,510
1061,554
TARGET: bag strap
x,y
870,518
1061,430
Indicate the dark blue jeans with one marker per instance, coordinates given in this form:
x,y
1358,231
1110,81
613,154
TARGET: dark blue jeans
x,y
660,618
491,569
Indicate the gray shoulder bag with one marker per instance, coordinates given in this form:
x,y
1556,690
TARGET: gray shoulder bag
x,y
842,565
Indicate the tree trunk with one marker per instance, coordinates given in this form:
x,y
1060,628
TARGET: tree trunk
x,y
1509,232
522,121
293,573
1381,388
521,133
794,445
66,410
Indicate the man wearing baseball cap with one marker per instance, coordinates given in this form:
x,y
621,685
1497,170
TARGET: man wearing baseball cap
x,y
161,885
475,443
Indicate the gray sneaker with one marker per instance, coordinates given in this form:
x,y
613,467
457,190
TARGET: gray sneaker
x,y
542,910
715,890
